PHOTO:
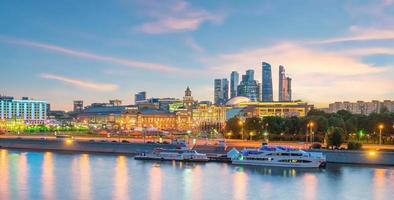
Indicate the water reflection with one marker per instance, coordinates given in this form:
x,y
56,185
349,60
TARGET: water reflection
x,y
81,177
23,171
378,183
240,180
47,177
155,182
310,187
121,179
4,176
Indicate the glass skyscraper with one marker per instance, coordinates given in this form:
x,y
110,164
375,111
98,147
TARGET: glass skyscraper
x,y
284,85
249,87
267,93
220,91
234,81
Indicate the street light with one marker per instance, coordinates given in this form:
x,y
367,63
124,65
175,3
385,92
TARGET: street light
x,y
381,126
241,123
311,131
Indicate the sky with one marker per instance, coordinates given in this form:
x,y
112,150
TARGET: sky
x,y
97,50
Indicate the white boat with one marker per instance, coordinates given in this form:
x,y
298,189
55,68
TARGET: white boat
x,y
277,156
176,154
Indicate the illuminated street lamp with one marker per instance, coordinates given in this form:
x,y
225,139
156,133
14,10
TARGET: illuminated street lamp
x,y
241,123
381,126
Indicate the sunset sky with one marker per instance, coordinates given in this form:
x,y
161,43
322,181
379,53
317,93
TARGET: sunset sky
x,y
96,50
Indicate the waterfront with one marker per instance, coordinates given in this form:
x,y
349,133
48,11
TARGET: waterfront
x,y
50,175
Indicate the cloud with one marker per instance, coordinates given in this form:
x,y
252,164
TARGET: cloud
x,y
91,56
319,76
367,51
361,34
193,44
177,17
81,83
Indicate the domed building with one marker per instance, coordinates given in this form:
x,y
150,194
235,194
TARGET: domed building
x,y
237,100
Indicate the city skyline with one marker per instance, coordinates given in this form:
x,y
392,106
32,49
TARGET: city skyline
x,y
334,54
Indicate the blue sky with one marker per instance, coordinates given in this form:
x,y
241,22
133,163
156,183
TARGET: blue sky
x,y
97,50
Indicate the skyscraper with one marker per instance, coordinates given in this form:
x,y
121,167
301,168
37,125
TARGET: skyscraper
x,y
220,91
281,80
234,81
250,75
267,94
249,87
284,85
140,96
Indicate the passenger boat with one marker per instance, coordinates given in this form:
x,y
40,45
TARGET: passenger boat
x,y
277,156
175,154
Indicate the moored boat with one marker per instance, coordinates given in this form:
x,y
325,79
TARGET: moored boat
x,y
277,156
173,154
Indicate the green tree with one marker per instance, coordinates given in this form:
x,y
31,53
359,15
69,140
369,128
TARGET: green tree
x,y
315,112
234,127
274,124
345,114
253,126
336,121
336,137
352,124
293,125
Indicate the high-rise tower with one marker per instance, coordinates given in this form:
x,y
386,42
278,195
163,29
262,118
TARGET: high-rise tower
x,y
234,81
267,94
221,91
284,85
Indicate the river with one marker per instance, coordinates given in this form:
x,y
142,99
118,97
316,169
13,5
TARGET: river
x,y
56,176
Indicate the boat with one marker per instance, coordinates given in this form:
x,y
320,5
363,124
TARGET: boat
x,y
173,154
277,156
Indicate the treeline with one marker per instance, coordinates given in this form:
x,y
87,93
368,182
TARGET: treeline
x,y
353,126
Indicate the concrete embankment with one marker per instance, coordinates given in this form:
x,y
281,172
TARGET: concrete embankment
x,y
358,157
81,146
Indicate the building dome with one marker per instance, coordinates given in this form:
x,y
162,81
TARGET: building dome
x,y
237,100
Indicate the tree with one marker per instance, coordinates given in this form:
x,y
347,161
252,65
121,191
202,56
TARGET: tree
x,y
274,124
315,112
253,126
336,137
344,114
234,127
336,121
352,124
293,125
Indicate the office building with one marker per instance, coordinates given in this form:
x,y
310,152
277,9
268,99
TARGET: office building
x,y
267,93
140,96
284,85
249,87
234,81
220,91
26,110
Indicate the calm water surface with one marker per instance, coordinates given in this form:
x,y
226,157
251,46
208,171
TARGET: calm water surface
x,y
49,176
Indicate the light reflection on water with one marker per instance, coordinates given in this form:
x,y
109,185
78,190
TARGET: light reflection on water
x,y
100,176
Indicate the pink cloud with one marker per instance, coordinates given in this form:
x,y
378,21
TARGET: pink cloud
x,y
179,17
361,34
91,56
81,83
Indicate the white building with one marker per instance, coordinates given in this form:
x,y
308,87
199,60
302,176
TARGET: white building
x,y
362,107
30,111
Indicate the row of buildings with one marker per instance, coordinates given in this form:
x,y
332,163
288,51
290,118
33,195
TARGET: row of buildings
x,y
251,88
171,114
362,107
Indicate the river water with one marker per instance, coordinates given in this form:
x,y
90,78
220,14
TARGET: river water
x,y
55,176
